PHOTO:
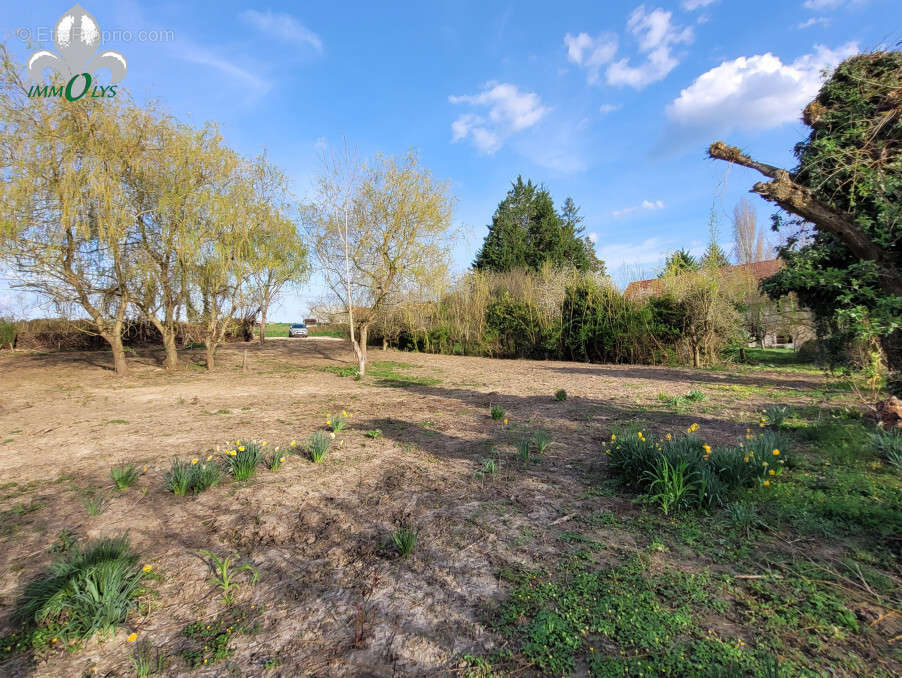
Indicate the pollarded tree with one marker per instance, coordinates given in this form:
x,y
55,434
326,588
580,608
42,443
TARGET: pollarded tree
x,y
845,257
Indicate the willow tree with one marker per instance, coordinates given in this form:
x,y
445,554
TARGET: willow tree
x,y
67,225
378,230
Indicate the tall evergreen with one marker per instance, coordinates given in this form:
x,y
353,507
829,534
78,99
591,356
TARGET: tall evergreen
x,y
527,232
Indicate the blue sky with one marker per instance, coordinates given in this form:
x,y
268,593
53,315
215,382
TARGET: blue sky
x,y
612,103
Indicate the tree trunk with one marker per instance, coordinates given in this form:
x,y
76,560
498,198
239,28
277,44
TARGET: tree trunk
x,y
262,325
114,339
172,352
696,356
360,348
384,343
210,354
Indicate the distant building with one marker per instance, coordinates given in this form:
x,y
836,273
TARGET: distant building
x,y
787,325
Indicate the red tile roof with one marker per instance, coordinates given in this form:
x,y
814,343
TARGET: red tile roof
x,y
758,269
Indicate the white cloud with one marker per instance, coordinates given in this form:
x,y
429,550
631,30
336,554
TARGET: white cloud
x,y
591,53
692,5
753,93
656,35
830,4
593,237
206,57
608,108
283,26
814,21
509,111
644,205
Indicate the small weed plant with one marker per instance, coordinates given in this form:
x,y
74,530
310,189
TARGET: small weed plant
x,y
124,476
275,460
405,540
524,445
209,641
146,660
225,571
497,412
743,517
95,501
317,446
374,433
695,396
542,440
489,467
888,444
243,459
560,395
775,415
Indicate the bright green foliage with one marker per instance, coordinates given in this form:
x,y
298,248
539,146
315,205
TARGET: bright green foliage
x,y
318,445
497,412
776,415
124,475
337,422
374,433
224,574
527,232
210,641
95,501
744,517
90,590
852,161
671,485
888,444
242,461
680,262
684,470
275,460
627,620
404,539
714,257
695,395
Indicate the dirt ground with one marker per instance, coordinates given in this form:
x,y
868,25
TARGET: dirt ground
x,y
336,600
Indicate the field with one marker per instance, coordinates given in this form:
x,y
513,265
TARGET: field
x,y
433,538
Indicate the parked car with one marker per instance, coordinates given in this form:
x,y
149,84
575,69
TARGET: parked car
x,y
297,330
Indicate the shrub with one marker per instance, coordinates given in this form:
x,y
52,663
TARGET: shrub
x,y
560,395
242,461
497,412
7,334
91,590
124,476
888,444
404,539
317,446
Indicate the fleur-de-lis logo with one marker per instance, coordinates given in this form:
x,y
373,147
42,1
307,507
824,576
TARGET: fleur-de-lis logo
x,y
77,39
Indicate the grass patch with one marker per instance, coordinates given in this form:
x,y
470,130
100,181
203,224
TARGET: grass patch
x,y
192,476
318,445
124,476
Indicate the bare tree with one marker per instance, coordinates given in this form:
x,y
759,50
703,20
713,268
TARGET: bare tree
x,y
749,241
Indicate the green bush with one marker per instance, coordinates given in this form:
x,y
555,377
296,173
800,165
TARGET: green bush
x,y
7,334
90,590
560,395
497,412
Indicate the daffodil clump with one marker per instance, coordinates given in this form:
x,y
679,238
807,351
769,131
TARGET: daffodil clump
x,y
193,475
242,459
704,475
338,422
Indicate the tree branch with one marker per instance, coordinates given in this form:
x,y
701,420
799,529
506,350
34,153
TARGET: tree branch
x,y
800,200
